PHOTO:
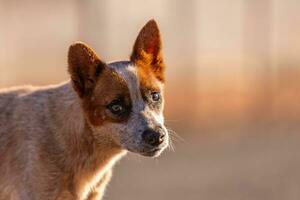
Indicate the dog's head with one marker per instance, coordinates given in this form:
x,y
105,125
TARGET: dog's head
x,y
124,99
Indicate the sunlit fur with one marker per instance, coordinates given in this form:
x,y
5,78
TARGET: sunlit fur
x,y
60,142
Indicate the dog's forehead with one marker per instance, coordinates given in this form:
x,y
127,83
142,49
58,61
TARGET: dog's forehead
x,y
136,76
125,70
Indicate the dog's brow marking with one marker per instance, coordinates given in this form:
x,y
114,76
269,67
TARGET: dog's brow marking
x,y
129,73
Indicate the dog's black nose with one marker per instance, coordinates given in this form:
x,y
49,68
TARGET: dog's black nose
x,y
152,137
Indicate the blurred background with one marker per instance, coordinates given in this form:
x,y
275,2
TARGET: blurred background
x,y
233,87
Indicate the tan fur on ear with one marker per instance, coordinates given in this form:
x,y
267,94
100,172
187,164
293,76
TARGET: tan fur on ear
x,y
84,67
147,50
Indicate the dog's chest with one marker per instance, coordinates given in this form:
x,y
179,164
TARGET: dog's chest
x,y
96,179
90,185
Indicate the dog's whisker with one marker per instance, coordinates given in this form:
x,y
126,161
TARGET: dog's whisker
x,y
176,138
171,143
173,133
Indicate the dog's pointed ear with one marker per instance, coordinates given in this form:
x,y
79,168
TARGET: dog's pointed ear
x,y
147,49
84,68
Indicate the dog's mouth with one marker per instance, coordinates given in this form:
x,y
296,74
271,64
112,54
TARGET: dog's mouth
x,y
148,151
152,152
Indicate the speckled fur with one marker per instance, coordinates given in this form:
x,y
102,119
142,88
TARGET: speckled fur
x,y
47,150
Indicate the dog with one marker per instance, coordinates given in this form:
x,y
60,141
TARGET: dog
x,y
60,142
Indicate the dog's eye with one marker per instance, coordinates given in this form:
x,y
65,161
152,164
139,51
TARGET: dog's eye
x,y
155,96
116,107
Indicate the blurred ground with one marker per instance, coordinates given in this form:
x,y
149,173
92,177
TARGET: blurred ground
x,y
253,166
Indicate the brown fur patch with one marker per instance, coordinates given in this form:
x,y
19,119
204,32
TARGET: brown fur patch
x,y
84,68
110,86
147,50
149,84
147,79
96,84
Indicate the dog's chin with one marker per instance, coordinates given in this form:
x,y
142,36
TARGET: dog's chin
x,y
147,151
152,153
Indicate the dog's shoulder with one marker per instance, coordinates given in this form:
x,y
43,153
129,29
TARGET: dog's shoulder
x,y
9,98
27,104
9,95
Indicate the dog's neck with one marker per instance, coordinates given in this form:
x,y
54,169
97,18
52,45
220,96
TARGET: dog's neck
x,y
84,158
